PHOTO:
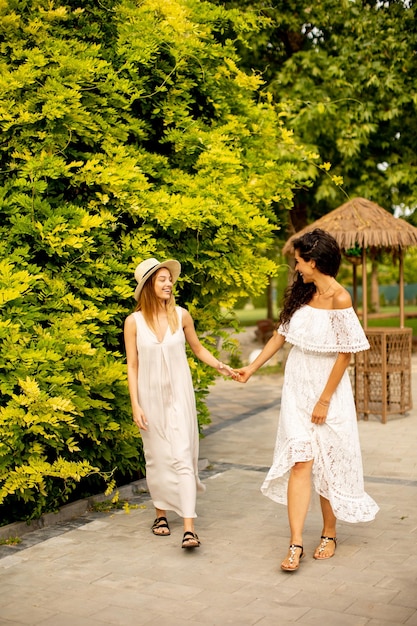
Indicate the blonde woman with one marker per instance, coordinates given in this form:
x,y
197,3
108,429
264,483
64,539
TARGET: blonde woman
x,y
162,394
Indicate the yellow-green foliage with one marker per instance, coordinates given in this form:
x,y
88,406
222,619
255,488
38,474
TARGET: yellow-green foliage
x,y
128,131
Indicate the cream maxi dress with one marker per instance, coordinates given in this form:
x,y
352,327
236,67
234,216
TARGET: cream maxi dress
x,y
167,398
317,336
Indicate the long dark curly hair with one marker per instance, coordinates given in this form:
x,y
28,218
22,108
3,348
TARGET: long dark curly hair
x,y
324,250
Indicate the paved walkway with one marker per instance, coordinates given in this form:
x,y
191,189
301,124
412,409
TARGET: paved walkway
x,y
108,569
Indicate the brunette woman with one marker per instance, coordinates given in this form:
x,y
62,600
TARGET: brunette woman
x,y
317,440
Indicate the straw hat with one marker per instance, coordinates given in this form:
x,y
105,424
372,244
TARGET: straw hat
x,y
145,269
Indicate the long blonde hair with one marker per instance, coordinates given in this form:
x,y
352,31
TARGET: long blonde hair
x,y
149,304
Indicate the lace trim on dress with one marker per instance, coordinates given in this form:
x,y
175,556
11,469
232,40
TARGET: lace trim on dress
x,y
323,330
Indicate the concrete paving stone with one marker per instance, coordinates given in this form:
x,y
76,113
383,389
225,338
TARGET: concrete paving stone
x,y
412,621
9,593
215,616
339,571
109,568
95,525
308,583
387,612
61,619
86,573
12,561
29,576
208,579
178,591
366,560
125,616
361,534
60,543
270,588
128,580
161,605
379,622
171,620
119,570
80,606
298,605
320,598
399,548
169,608
268,621
407,596
318,617
13,594
397,581
406,567
23,613
367,592
223,601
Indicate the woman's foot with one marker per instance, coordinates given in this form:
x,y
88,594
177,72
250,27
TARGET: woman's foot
x,y
160,527
293,558
326,548
190,540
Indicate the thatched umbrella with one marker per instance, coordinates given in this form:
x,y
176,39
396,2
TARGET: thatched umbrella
x,y
363,223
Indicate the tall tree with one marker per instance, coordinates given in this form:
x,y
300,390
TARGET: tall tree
x,y
344,75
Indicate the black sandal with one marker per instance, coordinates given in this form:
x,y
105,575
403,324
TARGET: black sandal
x,y
323,543
293,548
190,540
160,522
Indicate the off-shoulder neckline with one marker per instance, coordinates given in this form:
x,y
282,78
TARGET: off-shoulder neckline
x,y
331,310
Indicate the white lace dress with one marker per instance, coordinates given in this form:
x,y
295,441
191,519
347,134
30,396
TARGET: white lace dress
x,y
167,398
317,336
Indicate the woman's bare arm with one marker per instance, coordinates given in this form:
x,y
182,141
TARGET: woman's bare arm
x,y
133,371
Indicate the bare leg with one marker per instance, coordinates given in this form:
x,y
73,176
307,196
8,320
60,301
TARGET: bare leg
x,y
299,493
188,524
326,549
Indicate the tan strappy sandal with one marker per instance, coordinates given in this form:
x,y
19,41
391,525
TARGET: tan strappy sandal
x,y
293,548
320,549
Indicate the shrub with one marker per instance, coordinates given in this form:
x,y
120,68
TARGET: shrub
x,y
127,132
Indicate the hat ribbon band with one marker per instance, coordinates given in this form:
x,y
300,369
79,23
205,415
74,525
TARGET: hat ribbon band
x,y
147,271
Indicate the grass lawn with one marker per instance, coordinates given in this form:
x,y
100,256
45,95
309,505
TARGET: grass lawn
x,y
251,317
393,322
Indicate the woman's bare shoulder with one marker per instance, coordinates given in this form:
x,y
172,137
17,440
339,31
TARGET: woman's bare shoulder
x,y
186,316
130,321
341,298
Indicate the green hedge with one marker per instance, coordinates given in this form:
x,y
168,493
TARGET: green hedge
x,y
64,412
128,131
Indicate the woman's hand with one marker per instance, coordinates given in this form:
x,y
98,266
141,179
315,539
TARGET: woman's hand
x,y
319,414
243,374
225,370
140,419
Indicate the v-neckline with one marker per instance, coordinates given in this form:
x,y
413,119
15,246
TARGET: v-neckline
x,y
165,334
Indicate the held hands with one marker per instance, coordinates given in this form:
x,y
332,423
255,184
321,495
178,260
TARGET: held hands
x,y
242,375
225,370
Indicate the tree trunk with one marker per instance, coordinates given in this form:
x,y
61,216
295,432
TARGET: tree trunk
x,y
374,287
269,300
